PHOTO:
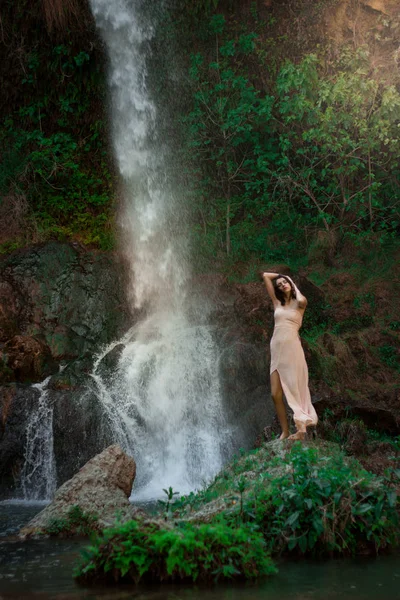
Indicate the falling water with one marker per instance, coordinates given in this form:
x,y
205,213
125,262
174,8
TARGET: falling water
x,y
162,398
38,476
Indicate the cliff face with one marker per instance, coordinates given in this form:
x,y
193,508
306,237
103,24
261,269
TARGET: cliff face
x,y
58,305
73,300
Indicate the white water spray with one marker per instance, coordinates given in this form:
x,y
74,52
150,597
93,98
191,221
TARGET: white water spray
x,y
163,399
38,476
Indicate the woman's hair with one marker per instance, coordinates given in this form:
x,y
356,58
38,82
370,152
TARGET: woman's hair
x,y
278,292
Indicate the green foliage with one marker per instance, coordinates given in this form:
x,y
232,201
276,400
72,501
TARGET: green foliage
x,y
306,499
145,551
324,505
390,356
54,150
76,522
351,433
226,127
167,504
316,150
352,324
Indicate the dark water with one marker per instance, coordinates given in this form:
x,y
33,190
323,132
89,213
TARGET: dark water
x,y
43,570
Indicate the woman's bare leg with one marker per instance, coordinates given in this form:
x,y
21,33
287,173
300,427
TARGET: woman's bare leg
x,y
277,397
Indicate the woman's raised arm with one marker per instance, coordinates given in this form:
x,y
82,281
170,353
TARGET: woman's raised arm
x,y
301,299
268,277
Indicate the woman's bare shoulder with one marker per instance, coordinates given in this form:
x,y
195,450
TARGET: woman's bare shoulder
x,y
302,303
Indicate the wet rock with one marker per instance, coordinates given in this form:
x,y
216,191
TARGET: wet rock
x,y
28,358
80,430
71,298
59,304
102,487
108,365
11,308
16,405
73,376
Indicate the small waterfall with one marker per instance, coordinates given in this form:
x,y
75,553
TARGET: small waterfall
x,y
38,477
162,398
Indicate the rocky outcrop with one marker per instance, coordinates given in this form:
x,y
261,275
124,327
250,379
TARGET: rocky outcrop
x,y
79,430
66,297
27,359
59,303
102,488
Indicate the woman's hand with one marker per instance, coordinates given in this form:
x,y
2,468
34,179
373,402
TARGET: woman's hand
x,y
301,299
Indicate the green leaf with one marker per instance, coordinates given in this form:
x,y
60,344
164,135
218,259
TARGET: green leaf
x,y
292,519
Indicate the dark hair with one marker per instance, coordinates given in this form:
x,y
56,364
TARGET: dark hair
x,y
278,292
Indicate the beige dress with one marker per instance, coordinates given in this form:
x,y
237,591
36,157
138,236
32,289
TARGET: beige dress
x,y
287,357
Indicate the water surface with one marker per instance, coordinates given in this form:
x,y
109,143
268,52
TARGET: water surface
x,y
43,569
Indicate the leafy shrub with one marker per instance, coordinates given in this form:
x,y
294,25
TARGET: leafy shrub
x,y
55,155
389,355
323,505
263,175
76,522
137,551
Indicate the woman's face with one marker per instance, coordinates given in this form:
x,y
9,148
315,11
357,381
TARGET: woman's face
x,y
283,285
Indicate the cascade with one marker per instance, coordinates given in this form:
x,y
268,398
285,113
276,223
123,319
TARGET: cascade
x,y
162,399
38,476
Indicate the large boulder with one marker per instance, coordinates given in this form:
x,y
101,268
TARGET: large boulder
x,y
102,487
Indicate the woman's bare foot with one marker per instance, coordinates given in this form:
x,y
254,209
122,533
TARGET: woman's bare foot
x,y
284,435
299,435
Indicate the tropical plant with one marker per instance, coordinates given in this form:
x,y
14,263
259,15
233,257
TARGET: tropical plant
x,y
189,552
326,505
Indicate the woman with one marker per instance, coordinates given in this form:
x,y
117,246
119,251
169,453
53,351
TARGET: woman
x,y
289,373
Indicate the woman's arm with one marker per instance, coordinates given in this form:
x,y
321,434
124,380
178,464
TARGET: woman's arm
x,y
268,277
302,300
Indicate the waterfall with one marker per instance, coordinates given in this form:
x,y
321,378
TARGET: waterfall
x,y
38,476
162,398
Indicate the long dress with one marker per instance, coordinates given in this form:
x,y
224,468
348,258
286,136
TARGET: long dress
x,y
287,357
